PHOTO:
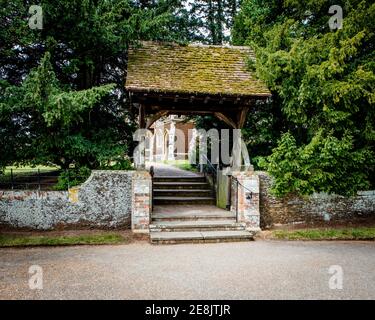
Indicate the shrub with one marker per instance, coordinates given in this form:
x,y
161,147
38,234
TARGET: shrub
x,y
72,177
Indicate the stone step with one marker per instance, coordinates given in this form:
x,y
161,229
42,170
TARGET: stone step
x,y
158,200
199,236
191,216
197,225
180,185
183,192
179,179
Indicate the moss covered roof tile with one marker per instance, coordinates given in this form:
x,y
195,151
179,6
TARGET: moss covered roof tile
x,y
192,69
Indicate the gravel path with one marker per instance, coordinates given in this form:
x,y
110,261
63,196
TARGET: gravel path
x,y
248,270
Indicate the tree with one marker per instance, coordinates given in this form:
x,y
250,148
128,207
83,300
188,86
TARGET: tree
x,y
324,81
70,106
209,21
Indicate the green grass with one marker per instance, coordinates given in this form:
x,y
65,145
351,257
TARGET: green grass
x,y
94,239
26,176
181,164
29,169
360,233
25,171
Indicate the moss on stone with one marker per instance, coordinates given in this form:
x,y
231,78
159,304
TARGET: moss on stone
x,y
196,69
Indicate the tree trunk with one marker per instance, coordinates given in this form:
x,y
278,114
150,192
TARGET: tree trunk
x,y
220,22
211,22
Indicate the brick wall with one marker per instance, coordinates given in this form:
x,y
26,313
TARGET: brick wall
x,y
185,127
141,201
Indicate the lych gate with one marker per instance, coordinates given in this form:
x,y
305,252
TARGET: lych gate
x,y
165,79
170,79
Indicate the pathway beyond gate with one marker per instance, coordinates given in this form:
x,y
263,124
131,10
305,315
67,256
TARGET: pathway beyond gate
x,y
162,169
185,211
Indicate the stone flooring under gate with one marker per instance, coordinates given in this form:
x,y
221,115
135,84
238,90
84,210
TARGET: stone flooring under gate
x,y
185,210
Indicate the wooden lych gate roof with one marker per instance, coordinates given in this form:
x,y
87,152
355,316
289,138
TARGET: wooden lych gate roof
x,y
165,78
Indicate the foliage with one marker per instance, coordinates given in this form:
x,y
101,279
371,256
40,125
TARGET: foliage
x,y
182,164
208,21
76,176
320,165
262,129
72,177
323,81
62,97
119,164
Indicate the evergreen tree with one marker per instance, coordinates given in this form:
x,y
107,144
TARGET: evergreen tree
x,y
323,81
209,21
62,97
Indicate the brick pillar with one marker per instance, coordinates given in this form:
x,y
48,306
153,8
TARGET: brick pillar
x,y
141,201
245,198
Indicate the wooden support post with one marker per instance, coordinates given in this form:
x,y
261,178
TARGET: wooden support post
x,y
142,125
225,119
242,117
236,151
229,192
155,117
142,119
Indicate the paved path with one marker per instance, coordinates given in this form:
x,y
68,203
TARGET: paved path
x,y
254,270
162,169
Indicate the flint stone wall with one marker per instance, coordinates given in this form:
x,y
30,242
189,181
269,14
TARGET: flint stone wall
x,y
103,201
317,208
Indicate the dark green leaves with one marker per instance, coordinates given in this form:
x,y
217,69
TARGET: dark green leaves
x,y
325,83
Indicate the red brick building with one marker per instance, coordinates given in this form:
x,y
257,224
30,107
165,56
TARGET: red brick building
x,y
173,138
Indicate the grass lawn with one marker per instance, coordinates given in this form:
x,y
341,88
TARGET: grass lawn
x,y
29,169
181,164
357,233
66,240
26,177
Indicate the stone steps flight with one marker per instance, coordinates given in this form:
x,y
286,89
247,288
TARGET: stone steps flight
x,y
190,217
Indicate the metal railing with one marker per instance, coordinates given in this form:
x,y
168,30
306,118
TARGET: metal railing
x,y
152,173
210,169
35,179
